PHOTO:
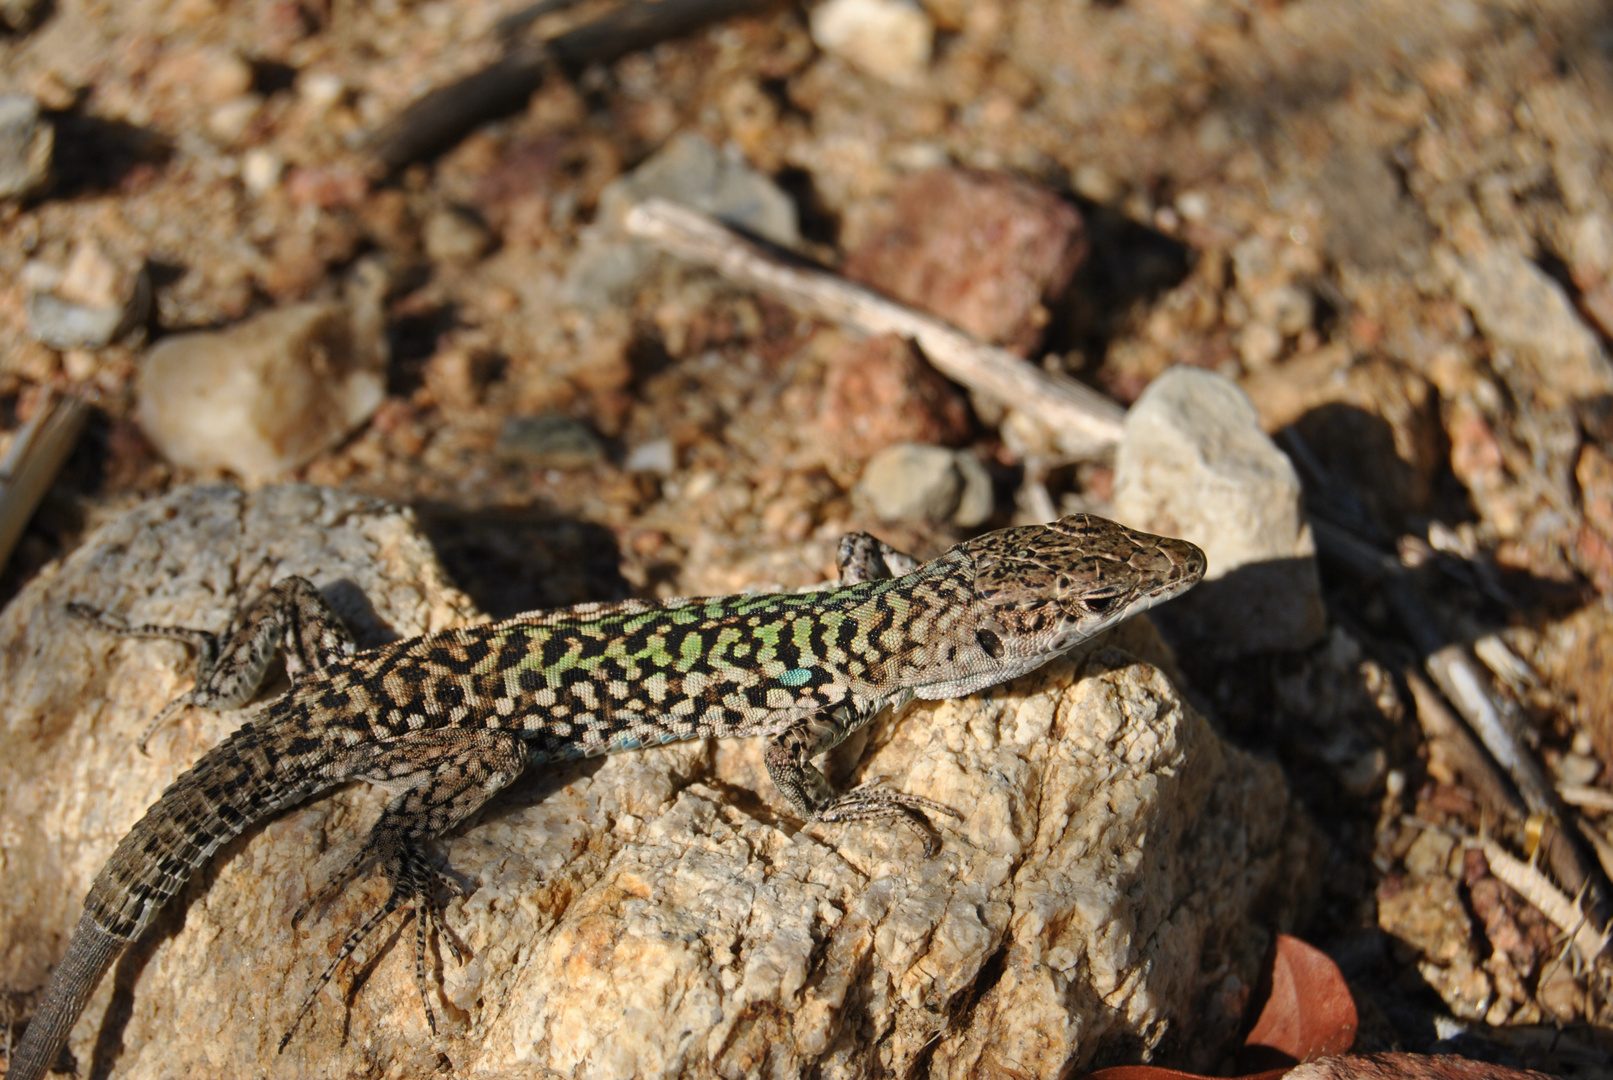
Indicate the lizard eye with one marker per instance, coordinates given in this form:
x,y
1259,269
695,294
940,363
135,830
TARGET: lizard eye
x,y
989,642
1100,604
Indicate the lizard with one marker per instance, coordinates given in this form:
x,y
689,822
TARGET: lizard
x,y
444,721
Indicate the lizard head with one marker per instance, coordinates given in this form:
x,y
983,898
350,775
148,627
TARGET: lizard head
x,y
1045,588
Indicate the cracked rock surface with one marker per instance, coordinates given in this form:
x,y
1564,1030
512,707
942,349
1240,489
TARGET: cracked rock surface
x,y
1110,892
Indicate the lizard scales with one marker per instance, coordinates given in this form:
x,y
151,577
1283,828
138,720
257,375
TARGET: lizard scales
x,y
446,720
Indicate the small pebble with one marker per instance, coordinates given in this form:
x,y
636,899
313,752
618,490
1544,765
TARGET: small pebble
x,y
91,303
655,456
260,170
977,500
890,39
687,170
26,141
228,122
454,236
321,90
1577,770
549,440
911,482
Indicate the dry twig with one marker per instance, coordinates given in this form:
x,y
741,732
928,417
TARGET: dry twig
x,y
30,466
442,117
1083,422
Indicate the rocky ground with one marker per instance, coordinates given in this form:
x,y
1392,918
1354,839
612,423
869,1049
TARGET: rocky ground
x,y
1389,223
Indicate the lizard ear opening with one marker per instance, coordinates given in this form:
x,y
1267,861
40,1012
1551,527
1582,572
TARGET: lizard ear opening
x,y
990,642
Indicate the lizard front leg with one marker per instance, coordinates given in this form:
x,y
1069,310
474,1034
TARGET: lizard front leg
x,y
789,762
862,557
291,615
446,775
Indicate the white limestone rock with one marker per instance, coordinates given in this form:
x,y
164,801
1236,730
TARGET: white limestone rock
x,y
267,395
1194,463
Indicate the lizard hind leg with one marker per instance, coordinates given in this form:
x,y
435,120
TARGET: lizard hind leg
x,y
414,882
446,775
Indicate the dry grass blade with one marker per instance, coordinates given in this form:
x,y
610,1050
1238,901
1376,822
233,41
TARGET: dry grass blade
x,y
1083,421
1532,885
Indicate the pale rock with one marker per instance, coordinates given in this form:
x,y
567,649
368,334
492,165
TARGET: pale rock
x,y
687,170
26,142
321,89
229,121
656,456
267,395
261,169
889,39
1259,344
1522,310
915,482
631,916
1429,854
1287,307
976,500
454,236
90,303
1194,463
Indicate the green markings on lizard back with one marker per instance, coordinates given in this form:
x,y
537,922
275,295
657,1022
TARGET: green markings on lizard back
x,y
787,637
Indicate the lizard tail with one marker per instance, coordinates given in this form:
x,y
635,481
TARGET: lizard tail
x,y
231,786
89,956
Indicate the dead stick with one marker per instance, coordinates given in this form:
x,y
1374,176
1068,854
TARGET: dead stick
x,y
37,454
1480,773
1082,421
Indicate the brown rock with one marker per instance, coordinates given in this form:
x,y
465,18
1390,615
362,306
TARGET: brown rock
x,y
878,392
981,250
1594,472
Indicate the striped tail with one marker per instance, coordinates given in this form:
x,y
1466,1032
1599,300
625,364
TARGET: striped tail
x,y
230,787
90,955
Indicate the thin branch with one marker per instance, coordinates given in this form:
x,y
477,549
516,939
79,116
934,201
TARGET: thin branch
x,y
37,454
442,117
1082,421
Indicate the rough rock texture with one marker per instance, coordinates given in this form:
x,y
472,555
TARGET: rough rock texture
x,y
1194,463
1525,312
264,397
648,914
981,250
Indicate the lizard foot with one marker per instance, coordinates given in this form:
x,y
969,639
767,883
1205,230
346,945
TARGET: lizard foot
x,y
869,803
414,884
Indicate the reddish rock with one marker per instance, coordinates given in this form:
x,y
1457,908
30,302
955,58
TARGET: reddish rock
x,y
981,250
1594,472
878,392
